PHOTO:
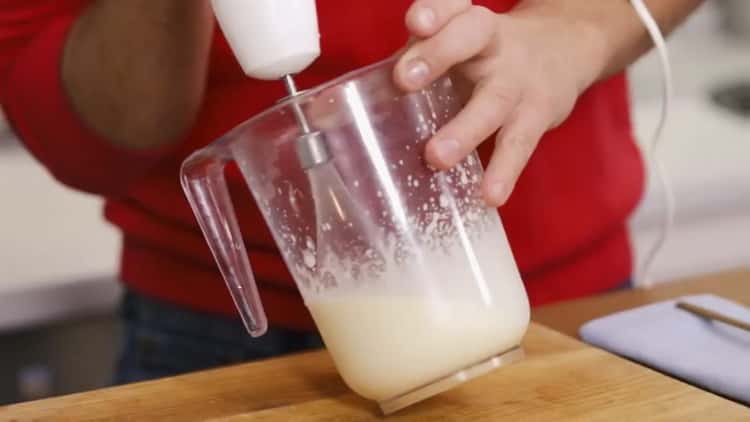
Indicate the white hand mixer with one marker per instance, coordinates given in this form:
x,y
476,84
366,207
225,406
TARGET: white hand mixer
x,y
275,39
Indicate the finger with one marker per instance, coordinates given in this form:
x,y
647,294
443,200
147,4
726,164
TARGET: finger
x,y
426,17
486,111
462,38
514,147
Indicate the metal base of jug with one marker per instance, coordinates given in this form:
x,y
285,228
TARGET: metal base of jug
x,y
450,381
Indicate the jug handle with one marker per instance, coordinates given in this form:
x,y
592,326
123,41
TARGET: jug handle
x,y
202,177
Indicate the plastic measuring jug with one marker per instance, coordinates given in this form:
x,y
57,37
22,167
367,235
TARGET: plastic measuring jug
x,y
406,272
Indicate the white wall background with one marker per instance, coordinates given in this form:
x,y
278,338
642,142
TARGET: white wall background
x,y
706,151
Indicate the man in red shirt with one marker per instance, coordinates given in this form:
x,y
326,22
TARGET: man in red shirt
x,y
112,95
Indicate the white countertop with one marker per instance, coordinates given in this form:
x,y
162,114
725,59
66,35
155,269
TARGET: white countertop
x,y
52,240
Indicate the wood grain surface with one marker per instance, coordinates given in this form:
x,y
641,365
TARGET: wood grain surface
x,y
561,379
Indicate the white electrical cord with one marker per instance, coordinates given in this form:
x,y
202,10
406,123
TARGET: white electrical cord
x,y
642,275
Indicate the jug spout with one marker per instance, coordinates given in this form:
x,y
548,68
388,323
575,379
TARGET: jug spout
x,y
202,177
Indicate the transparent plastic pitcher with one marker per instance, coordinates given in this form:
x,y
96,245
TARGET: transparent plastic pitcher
x,y
407,274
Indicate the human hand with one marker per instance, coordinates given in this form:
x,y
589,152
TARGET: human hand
x,y
527,67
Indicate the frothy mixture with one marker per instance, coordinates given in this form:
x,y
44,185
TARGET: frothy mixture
x,y
386,346
407,273
388,343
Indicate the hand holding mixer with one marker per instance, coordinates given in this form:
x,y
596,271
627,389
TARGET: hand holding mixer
x,y
408,275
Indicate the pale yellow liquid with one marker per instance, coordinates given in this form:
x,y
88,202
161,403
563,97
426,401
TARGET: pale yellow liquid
x,y
425,318
385,346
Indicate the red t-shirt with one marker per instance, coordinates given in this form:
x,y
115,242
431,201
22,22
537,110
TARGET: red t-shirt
x,y
565,221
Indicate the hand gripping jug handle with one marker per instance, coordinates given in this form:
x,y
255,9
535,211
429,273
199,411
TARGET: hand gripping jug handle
x,y
203,181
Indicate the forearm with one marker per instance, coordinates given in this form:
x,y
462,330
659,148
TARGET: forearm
x,y
135,70
617,36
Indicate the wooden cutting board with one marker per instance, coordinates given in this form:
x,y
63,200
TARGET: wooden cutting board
x,y
561,379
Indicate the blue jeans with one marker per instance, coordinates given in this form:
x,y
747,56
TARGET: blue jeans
x,y
161,340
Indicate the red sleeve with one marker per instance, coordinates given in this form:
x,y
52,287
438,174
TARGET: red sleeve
x,y
39,111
